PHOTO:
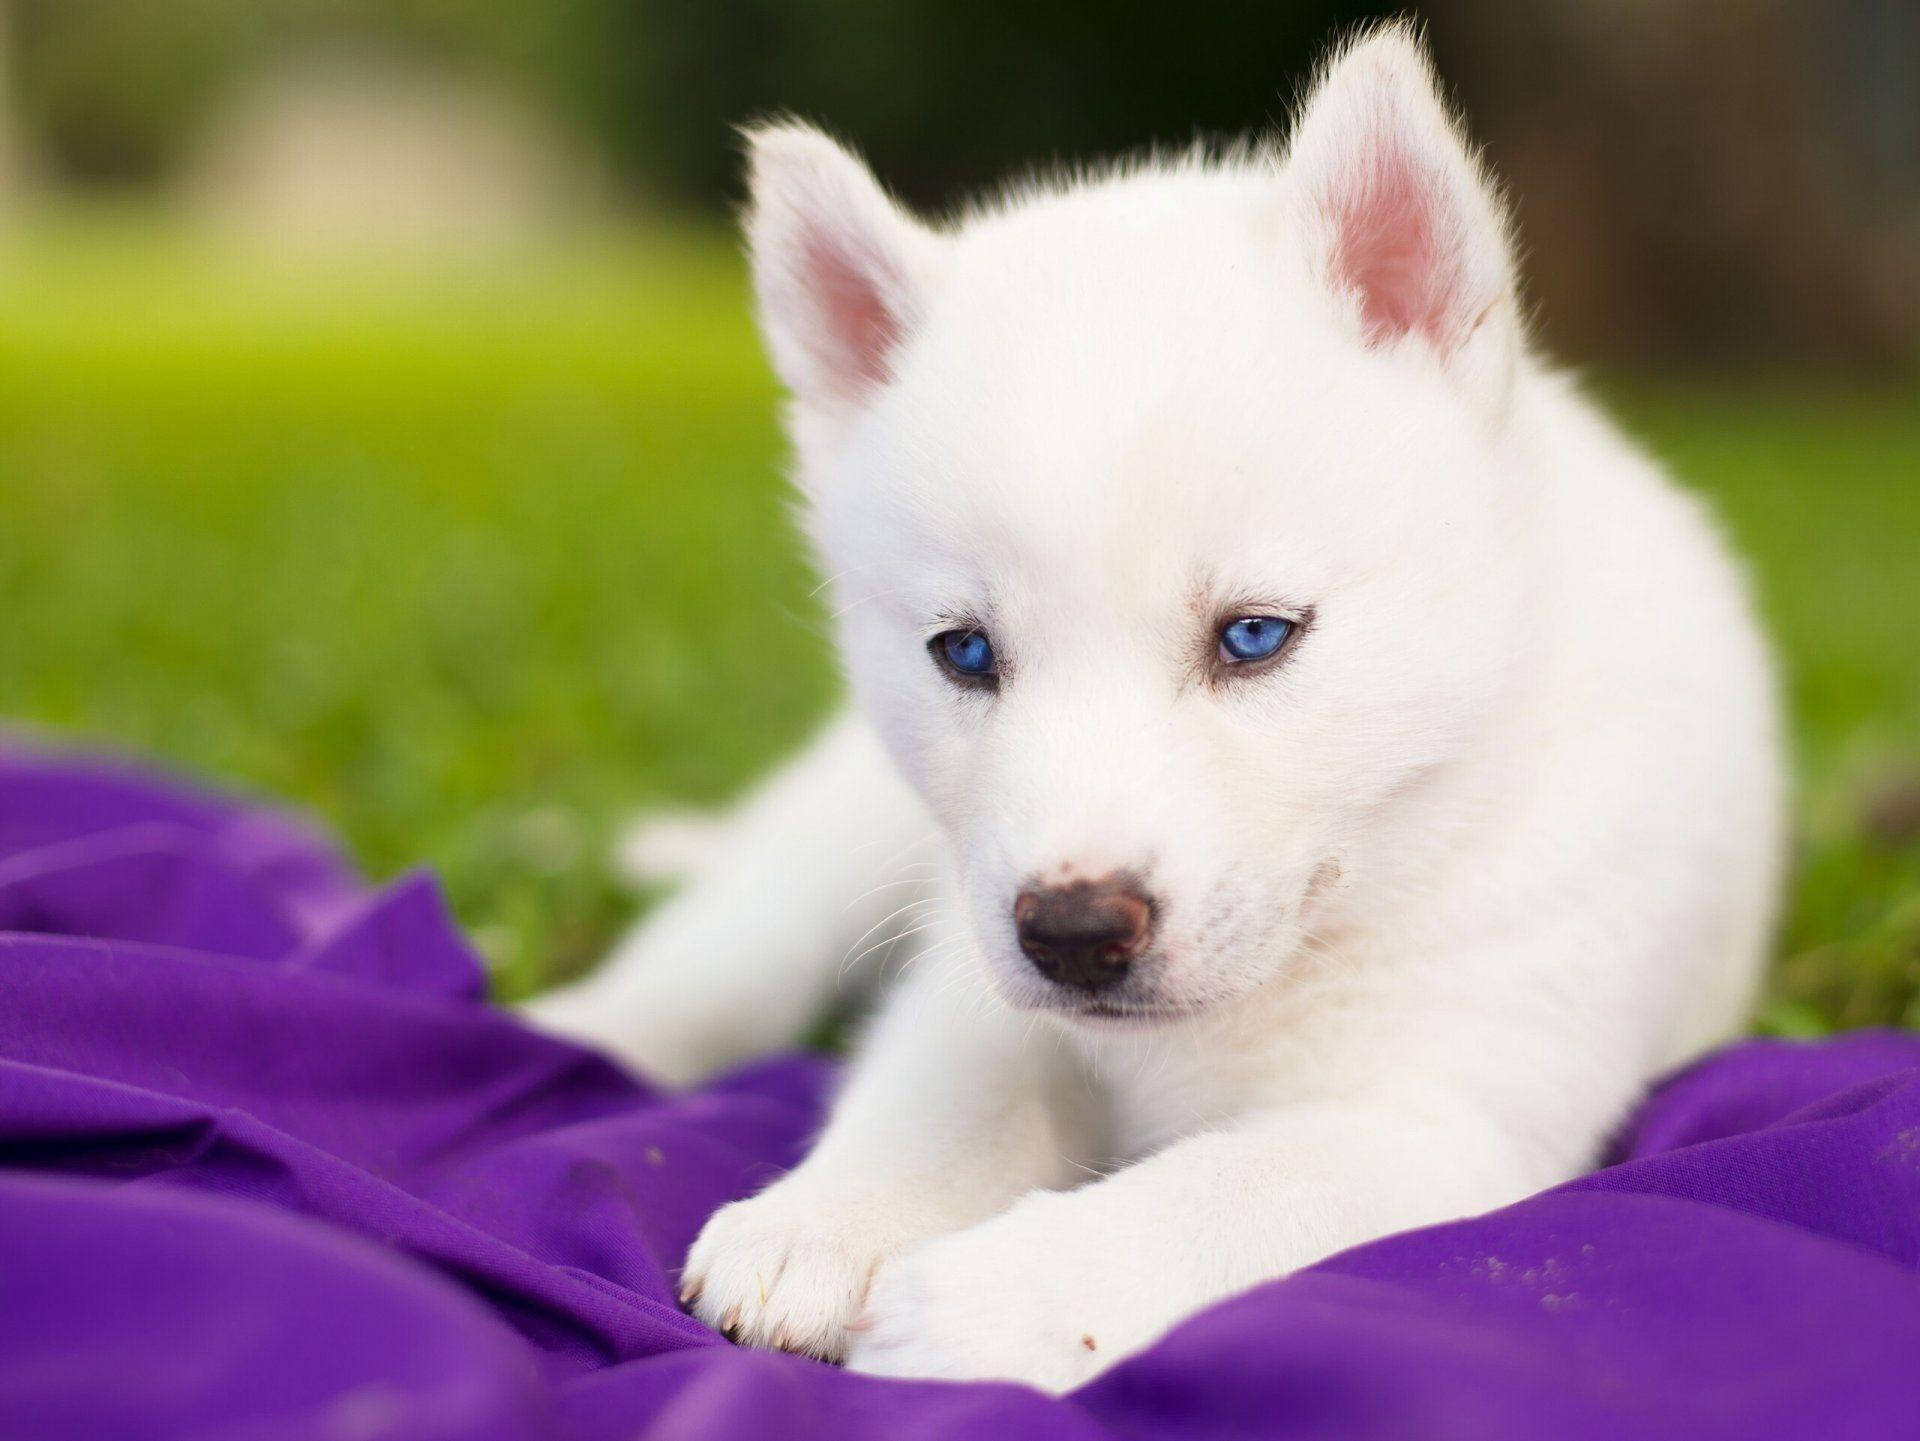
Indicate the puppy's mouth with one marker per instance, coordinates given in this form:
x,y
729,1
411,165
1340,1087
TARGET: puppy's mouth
x,y
1129,1017
1115,1014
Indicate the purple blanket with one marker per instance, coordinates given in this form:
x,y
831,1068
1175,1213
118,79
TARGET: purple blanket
x,y
273,1169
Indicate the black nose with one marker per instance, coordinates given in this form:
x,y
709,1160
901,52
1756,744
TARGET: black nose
x,y
1084,934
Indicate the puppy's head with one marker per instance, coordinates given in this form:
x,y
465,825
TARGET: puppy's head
x,y
1169,536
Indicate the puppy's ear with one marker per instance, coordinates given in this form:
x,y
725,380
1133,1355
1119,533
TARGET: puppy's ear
x,y
1402,226
841,272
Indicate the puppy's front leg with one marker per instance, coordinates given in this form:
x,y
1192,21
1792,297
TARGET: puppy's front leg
x,y
1064,1283
950,1113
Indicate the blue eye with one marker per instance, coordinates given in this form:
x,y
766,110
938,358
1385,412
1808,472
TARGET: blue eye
x,y
967,653
1253,637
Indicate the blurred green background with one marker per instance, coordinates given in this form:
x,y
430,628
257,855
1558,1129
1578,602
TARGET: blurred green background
x,y
382,426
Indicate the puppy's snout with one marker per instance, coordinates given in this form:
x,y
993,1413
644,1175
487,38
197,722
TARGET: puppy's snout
x,y
1084,934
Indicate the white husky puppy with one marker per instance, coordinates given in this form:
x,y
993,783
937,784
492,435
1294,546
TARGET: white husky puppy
x,y
1327,770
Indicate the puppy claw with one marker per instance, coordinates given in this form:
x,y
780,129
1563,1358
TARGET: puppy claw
x,y
690,1292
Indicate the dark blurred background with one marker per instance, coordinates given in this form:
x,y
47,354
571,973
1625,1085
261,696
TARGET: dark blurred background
x,y
382,427
1720,179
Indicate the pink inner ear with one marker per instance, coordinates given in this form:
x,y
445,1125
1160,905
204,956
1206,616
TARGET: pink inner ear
x,y
1389,247
862,330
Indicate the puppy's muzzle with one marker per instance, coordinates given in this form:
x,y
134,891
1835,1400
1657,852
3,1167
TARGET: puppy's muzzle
x,y
1085,934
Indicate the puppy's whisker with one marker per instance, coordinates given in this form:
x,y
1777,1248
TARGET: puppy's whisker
x,y
892,941
892,915
916,930
868,599
871,891
842,574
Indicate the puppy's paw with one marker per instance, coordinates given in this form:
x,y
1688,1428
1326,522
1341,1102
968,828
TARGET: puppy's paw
x,y
790,1268
1016,1298
668,1052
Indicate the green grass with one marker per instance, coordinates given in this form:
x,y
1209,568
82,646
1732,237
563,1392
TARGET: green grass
x,y
472,559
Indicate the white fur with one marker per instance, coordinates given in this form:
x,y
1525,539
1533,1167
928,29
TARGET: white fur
x,y
1497,841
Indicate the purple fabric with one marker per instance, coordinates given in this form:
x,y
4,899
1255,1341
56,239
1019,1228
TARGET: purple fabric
x,y
271,1169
